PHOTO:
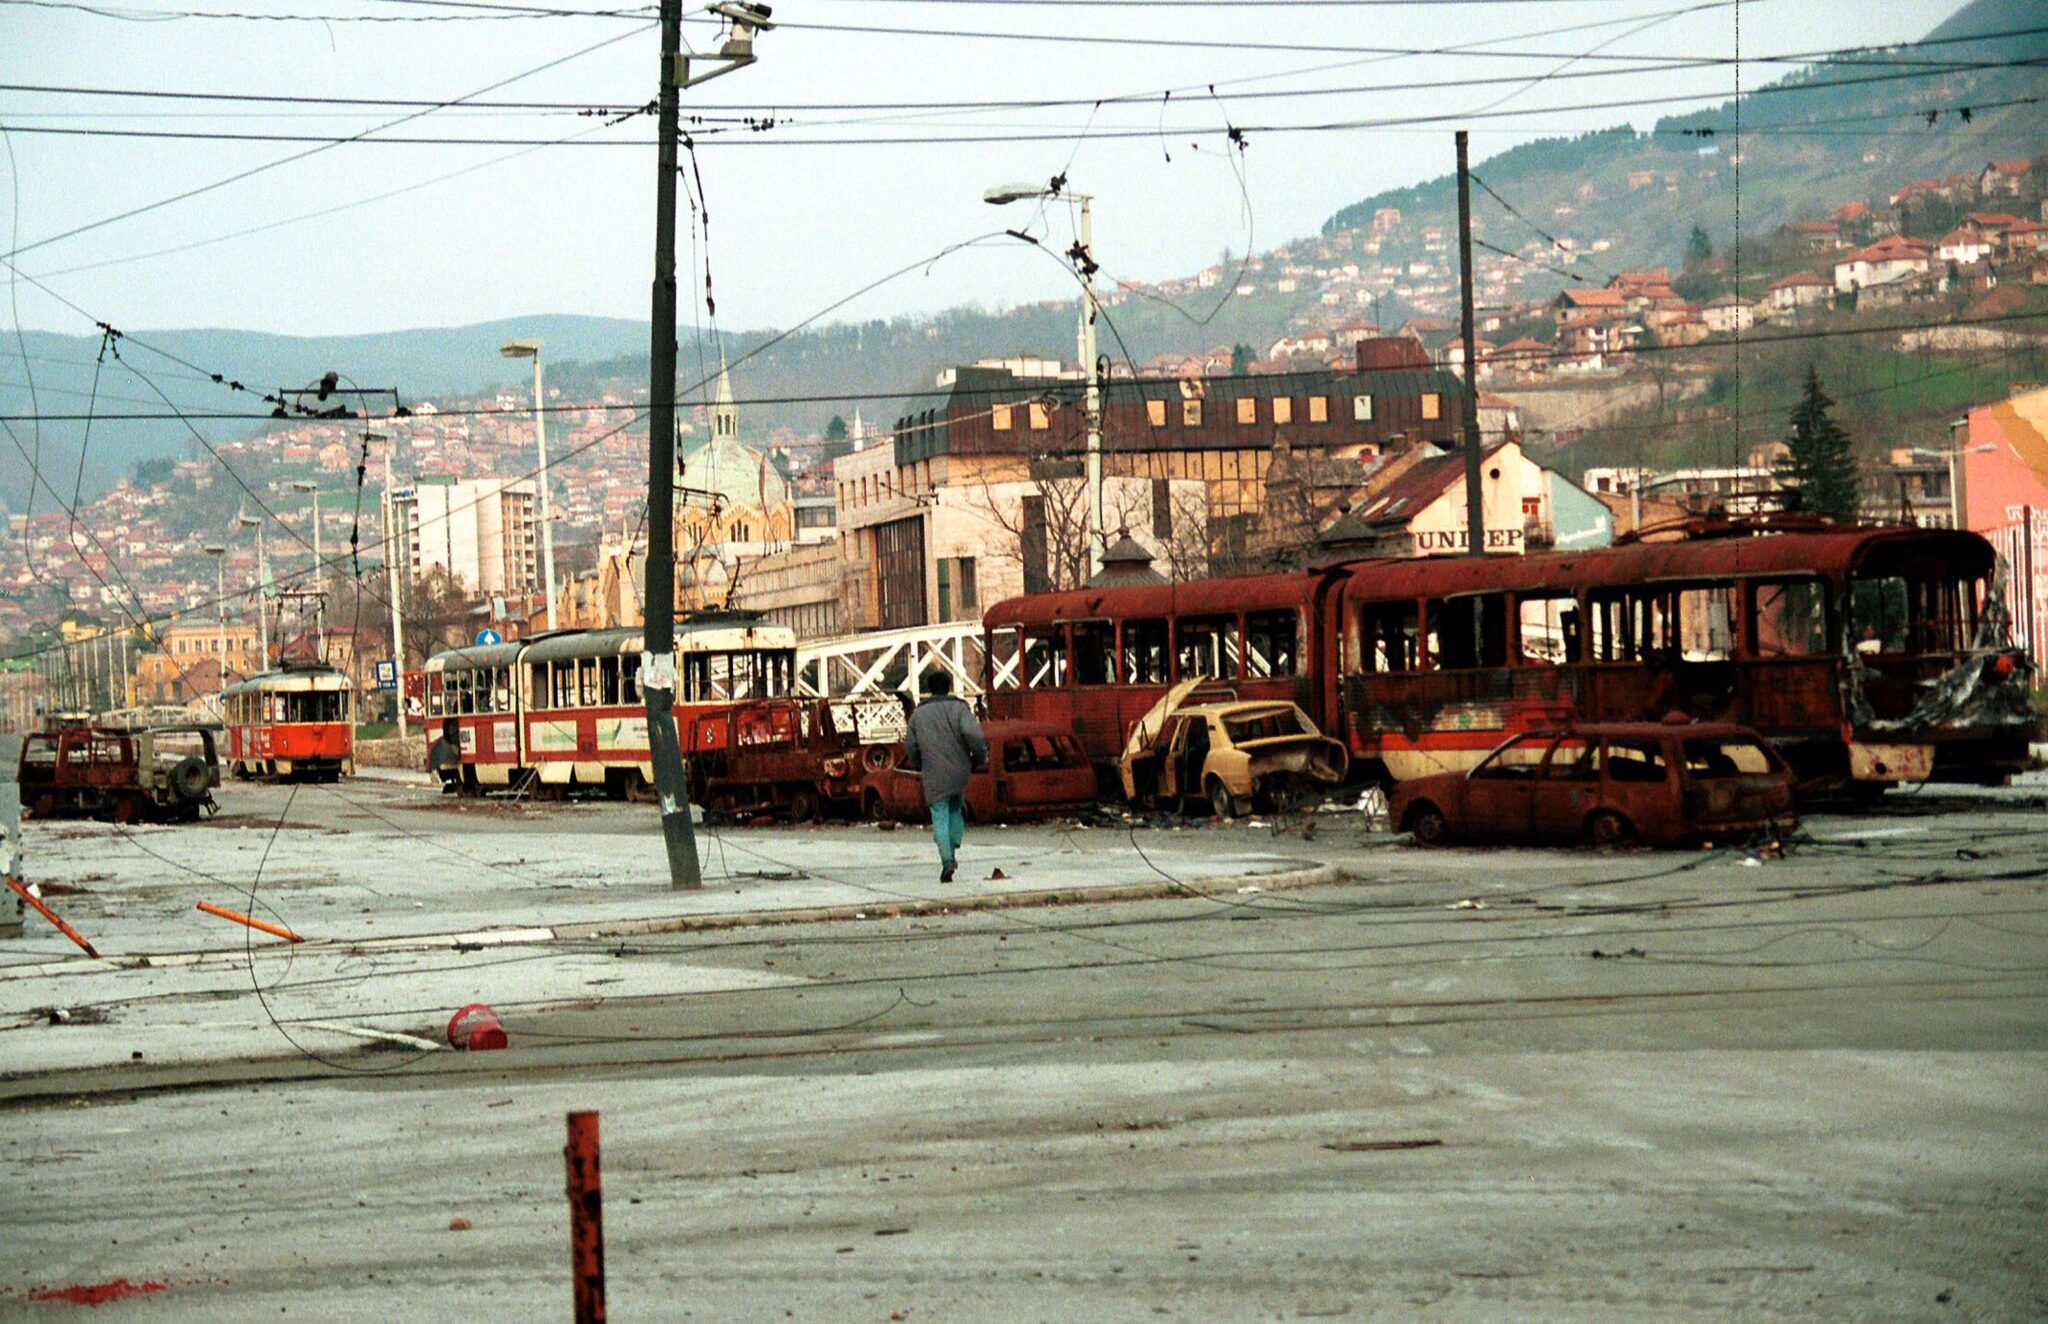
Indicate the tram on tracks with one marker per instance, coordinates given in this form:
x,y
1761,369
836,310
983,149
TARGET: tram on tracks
x,y
563,711
1870,656
296,723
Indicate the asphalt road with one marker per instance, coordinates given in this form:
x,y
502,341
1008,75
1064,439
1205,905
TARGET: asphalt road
x,y
1473,1085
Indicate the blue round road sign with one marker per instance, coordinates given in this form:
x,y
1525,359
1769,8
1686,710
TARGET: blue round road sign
x,y
489,637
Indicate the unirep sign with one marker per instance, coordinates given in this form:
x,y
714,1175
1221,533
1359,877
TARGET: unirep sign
x,y
1453,540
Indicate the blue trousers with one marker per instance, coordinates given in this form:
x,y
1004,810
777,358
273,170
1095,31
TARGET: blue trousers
x,y
949,827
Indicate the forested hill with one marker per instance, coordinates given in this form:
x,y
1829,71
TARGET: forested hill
x,y
1846,130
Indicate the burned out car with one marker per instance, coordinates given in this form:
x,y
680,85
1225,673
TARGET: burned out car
x,y
164,774
1200,742
1608,784
1036,770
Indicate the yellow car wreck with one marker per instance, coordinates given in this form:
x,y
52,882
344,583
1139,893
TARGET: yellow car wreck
x,y
1201,742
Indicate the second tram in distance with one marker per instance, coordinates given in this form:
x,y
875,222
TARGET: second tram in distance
x,y
297,723
564,711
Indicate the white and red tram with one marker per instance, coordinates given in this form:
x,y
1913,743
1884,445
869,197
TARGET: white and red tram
x,y
298,722
564,710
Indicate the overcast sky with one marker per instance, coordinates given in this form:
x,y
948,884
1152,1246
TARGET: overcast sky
x,y
795,225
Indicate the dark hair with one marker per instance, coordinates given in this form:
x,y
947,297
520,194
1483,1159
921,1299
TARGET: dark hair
x,y
938,682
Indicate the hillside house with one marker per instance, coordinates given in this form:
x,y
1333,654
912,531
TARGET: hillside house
x,y
1885,261
1801,289
1819,236
1728,314
2008,177
1965,244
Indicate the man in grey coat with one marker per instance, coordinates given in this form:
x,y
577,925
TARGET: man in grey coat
x,y
946,744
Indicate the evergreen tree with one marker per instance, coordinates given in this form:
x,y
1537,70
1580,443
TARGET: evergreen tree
x,y
1241,357
1822,464
836,429
1698,248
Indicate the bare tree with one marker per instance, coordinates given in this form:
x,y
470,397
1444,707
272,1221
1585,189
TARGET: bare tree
x,y
1045,524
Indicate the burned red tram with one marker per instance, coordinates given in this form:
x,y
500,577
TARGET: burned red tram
x,y
1871,656
295,723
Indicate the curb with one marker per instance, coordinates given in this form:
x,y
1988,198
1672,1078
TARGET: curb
x,y
1322,875
1319,876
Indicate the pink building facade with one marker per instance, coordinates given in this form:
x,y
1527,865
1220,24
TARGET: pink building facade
x,y
2002,462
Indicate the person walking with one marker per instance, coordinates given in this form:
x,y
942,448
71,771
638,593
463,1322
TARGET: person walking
x,y
944,742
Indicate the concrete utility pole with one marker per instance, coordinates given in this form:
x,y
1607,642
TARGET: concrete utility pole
x,y
521,349
1475,496
391,582
658,662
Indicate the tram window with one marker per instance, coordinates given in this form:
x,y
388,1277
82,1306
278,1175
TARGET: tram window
x,y
1549,631
1207,646
1094,646
1468,632
1634,626
501,689
562,683
1878,615
586,681
1045,658
1389,633
608,680
1270,644
1004,646
1789,618
1706,623
1144,652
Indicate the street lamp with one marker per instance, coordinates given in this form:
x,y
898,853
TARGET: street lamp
x,y
1083,257
219,553
319,566
247,521
530,349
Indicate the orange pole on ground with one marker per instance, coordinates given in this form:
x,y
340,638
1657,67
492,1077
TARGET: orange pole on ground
x,y
586,1219
51,916
274,930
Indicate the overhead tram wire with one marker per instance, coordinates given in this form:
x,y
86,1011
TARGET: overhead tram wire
x,y
1886,56
852,397
487,13
748,137
185,195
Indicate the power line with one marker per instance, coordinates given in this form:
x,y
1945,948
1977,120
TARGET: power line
x,y
498,13
1818,333
255,170
759,137
1638,63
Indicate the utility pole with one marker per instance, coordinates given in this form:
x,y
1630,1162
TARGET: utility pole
x,y
391,583
658,662
1475,496
1084,259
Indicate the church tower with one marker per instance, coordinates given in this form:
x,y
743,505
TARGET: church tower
x,y
725,415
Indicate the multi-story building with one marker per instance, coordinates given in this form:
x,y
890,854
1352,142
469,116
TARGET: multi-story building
x,y
189,663
483,532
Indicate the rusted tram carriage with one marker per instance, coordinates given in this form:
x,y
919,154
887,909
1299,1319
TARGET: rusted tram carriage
x,y
1098,659
295,723
1869,656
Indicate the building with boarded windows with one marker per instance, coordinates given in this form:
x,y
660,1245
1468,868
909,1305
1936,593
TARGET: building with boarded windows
x,y
978,494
